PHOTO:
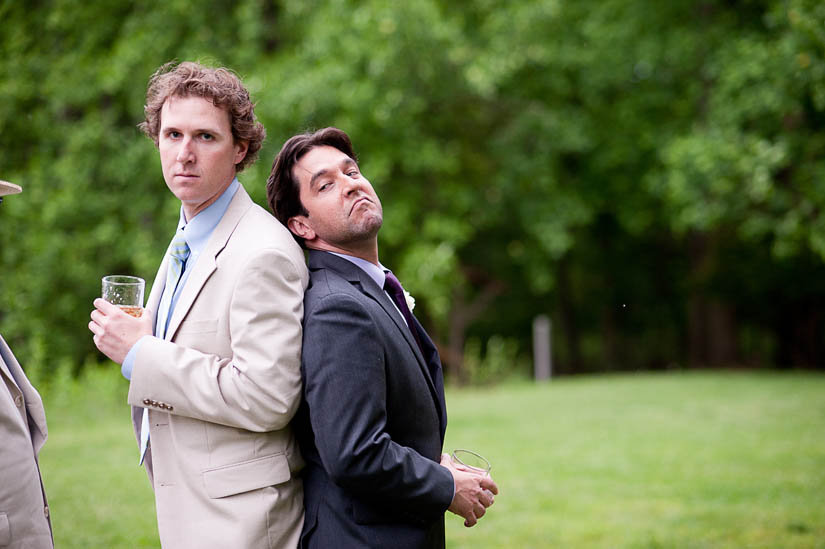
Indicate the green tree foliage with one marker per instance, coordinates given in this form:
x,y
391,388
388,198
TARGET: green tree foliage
x,y
73,80
649,174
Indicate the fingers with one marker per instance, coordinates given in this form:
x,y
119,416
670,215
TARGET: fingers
x,y
95,327
104,306
473,494
99,320
479,510
484,500
115,332
489,484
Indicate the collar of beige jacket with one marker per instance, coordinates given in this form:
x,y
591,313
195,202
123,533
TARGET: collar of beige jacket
x,y
9,188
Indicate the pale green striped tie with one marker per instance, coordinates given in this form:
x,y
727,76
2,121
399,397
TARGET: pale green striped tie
x,y
178,253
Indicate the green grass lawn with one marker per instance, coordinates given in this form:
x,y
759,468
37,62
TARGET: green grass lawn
x,y
730,459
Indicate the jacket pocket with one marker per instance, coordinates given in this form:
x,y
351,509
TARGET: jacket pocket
x,y
245,476
5,531
198,327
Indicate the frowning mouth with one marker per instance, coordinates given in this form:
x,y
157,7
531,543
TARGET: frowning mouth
x,y
359,201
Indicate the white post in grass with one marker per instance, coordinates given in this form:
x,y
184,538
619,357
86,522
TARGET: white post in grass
x,y
542,348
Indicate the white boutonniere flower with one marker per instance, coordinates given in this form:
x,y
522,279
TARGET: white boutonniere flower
x,y
410,300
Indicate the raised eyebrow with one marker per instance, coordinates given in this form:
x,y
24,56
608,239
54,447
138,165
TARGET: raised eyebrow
x,y
321,173
316,176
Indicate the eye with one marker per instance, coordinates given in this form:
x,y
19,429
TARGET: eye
x,y
352,173
207,136
325,185
173,134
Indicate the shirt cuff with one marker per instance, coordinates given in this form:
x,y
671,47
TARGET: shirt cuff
x,y
131,356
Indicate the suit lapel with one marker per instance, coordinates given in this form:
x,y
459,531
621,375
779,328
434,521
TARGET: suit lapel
x,y
434,363
12,370
367,285
157,290
5,368
207,263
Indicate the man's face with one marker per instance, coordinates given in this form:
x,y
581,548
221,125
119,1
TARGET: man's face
x,y
197,151
344,210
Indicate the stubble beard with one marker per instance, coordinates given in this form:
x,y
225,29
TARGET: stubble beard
x,y
365,230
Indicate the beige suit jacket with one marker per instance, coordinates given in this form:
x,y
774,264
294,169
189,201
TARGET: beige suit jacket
x,y
24,514
222,387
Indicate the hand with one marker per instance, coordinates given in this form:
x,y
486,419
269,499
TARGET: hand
x,y
473,493
115,331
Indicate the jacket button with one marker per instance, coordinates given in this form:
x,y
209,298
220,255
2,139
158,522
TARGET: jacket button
x,y
18,401
46,511
170,407
147,402
154,403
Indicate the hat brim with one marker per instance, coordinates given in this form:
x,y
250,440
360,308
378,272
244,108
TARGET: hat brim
x,y
9,188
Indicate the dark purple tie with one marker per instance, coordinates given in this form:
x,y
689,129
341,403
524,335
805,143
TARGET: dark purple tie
x,y
393,287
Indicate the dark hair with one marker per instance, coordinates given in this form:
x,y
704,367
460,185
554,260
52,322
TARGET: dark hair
x,y
283,192
221,86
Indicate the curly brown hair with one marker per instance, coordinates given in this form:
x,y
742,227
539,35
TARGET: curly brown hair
x,y
222,86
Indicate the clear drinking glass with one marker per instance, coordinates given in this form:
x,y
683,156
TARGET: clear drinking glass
x,y
124,291
470,461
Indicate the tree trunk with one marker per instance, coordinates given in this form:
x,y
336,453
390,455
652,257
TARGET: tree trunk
x,y
721,345
697,306
461,315
567,317
712,329
609,339
456,338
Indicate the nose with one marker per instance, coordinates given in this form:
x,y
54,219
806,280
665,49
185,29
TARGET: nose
x,y
185,153
352,185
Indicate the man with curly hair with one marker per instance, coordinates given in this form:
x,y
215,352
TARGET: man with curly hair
x,y
214,360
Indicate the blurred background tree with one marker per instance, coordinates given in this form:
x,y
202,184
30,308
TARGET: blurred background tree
x,y
649,175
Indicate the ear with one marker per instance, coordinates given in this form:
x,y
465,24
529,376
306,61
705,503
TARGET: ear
x,y
299,225
241,148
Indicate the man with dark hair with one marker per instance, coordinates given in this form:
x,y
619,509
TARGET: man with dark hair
x,y
214,361
372,423
24,513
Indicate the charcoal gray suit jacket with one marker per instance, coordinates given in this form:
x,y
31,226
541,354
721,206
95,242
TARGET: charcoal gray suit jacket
x,y
372,423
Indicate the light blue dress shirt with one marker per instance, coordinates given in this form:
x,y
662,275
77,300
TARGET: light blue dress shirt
x,y
196,233
376,272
